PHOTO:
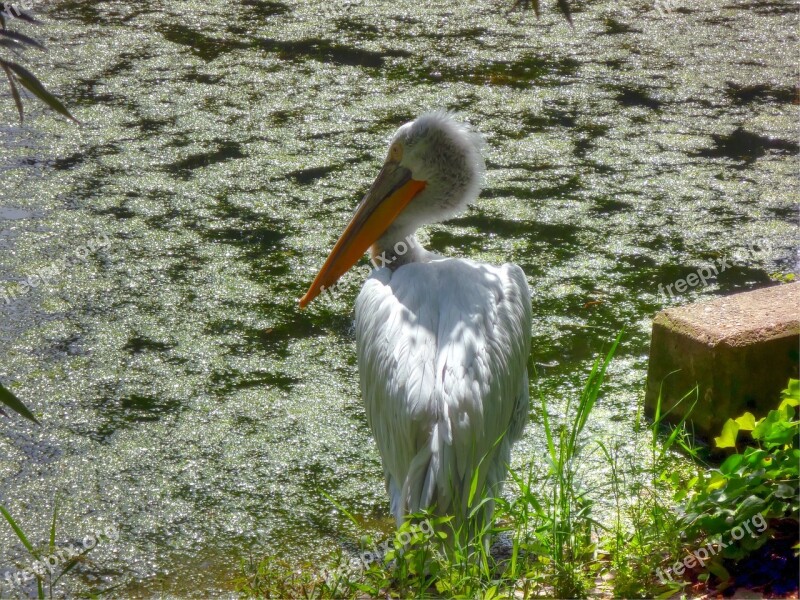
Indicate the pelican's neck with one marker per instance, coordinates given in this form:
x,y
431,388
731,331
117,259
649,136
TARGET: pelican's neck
x,y
396,248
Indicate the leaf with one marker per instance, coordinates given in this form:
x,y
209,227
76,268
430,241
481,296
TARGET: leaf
x,y
53,526
775,428
754,456
785,491
728,437
29,81
792,392
747,422
19,37
718,570
717,481
18,530
473,486
14,403
750,506
14,92
14,46
731,463
341,508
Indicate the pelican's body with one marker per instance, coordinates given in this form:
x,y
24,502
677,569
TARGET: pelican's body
x,y
442,351
442,342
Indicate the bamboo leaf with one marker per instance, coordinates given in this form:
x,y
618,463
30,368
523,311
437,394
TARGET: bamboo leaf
x,y
15,95
11,44
14,403
8,9
19,37
29,81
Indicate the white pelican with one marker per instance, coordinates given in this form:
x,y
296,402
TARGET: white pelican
x,y
442,342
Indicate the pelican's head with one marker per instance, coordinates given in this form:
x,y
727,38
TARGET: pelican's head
x,y
432,171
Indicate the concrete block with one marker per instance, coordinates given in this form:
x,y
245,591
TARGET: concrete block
x,y
740,350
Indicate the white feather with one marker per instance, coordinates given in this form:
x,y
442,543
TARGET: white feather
x,y
442,352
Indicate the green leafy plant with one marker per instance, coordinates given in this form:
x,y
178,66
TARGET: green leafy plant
x,y
13,42
759,483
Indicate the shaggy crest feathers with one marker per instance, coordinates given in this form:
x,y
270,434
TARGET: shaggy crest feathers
x,y
445,153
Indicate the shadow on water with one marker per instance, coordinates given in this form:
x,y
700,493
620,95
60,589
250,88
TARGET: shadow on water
x,y
226,150
762,93
209,48
747,147
533,69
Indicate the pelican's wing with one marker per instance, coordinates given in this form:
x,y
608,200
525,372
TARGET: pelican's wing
x,y
442,352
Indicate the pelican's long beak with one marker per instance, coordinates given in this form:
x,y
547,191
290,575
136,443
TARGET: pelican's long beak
x,y
389,195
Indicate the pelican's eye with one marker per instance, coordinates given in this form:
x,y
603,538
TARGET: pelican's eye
x,y
395,153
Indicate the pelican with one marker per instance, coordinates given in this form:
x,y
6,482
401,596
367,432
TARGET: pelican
x,y
442,342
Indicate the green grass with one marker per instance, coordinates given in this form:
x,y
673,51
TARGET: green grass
x,y
37,567
553,544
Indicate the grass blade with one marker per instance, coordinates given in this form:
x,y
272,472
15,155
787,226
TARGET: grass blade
x,y
17,530
341,508
53,527
547,432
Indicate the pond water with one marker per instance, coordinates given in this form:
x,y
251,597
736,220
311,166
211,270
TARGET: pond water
x,y
184,397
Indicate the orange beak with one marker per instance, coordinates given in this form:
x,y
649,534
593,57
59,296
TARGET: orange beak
x,y
389,195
